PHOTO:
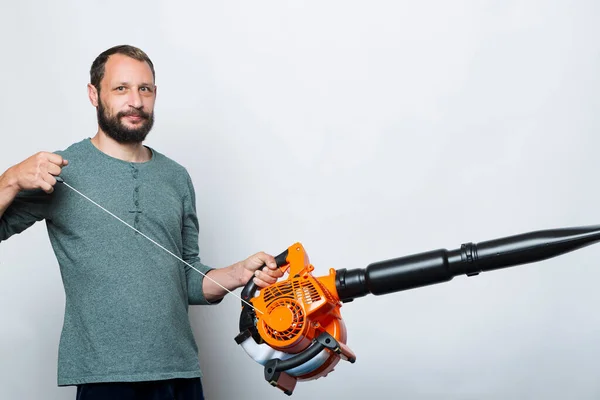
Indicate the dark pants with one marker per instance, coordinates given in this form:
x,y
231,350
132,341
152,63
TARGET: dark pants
x,y
173,389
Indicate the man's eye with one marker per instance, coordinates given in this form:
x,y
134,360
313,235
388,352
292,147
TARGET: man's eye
x,y
121,88
145,89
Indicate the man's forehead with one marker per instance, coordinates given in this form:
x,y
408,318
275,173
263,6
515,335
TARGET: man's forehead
x,y
121,67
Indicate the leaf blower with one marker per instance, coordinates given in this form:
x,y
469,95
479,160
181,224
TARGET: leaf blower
x,y
294,327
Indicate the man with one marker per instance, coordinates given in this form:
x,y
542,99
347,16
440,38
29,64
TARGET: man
x,y
126,332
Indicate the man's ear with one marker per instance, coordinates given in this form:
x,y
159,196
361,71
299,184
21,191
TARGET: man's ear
x,y
93,94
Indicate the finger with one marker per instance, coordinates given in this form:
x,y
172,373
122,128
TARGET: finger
x,y
49,179
46,187
263,276
53,169
267,259
275,273
55,159
260,283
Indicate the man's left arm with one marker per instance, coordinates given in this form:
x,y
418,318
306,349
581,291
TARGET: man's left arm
x,y
210,289
223,280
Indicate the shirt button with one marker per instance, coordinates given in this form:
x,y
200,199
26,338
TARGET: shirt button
x,y
137,218
137,203
137,189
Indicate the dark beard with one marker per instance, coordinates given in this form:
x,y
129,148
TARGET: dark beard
x,y
114,128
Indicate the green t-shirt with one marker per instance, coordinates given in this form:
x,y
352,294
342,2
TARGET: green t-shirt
x,y
126,312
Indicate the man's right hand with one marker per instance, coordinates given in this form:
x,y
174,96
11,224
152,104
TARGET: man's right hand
x,y
36,172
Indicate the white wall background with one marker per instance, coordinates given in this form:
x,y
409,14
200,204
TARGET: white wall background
x,y
365,130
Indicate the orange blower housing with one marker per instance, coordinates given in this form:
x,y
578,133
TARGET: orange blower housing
x,y
298,320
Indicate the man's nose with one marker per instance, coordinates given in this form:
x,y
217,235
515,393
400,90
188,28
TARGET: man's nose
x,y
135,100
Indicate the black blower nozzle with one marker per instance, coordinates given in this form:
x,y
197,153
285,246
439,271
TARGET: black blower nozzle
x,y
441,265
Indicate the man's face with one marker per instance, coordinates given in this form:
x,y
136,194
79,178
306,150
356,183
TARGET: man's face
x,y
126,103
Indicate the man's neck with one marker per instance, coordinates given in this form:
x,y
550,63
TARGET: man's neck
x,y
130,152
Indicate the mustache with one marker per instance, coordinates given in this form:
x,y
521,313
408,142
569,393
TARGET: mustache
x,y
133,113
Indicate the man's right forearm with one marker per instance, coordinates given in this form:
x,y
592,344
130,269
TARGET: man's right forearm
x,y
8,190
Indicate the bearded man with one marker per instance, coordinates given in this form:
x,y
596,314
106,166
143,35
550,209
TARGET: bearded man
x,y
126,333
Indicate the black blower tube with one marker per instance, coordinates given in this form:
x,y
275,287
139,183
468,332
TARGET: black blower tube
x,y
441,265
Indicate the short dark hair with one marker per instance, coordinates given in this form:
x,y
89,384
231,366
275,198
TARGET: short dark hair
x,y
97,70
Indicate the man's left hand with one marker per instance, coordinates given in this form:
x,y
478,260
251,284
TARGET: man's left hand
x,y
264,277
